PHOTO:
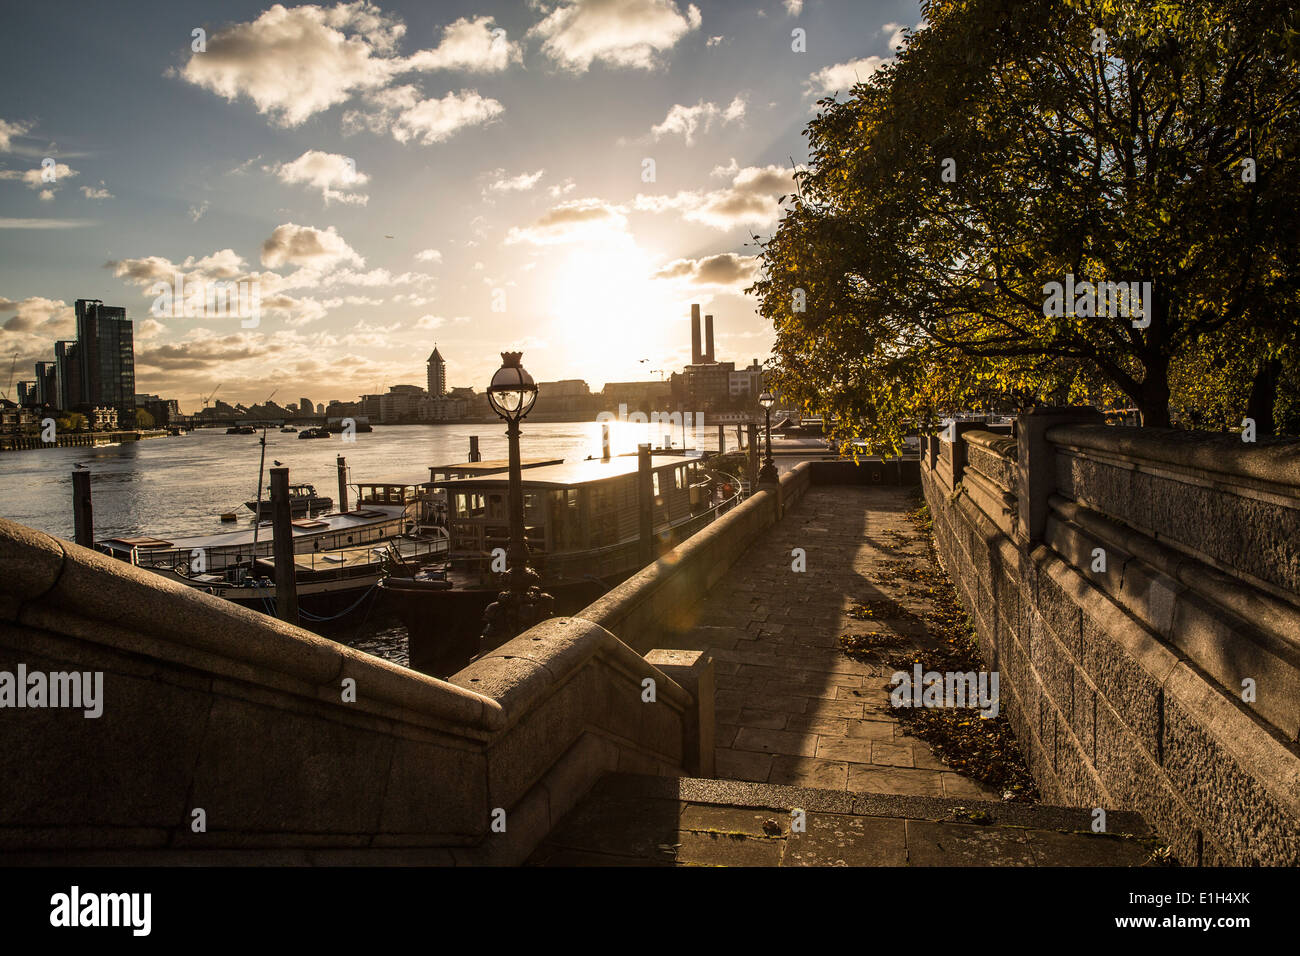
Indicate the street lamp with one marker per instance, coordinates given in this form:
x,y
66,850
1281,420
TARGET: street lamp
x,y
511,395
768,471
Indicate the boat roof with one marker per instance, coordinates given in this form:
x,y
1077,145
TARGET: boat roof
x,y
306,526
574,473
495,464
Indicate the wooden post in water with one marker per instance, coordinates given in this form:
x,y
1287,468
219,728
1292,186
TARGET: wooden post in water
x,y
83,515
286,581
722,439
604,442
752,462
343,484
645,504
473,449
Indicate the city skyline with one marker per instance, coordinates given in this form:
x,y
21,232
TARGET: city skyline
x,y
394,177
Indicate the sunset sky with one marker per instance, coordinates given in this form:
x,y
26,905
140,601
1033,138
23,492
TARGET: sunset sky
x,y
503,147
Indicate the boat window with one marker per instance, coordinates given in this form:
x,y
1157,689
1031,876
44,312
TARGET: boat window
x,y
535,507
496,506
679,476
654,484
469,505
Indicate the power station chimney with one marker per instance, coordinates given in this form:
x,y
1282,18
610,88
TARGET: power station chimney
x,y
708,338
696,356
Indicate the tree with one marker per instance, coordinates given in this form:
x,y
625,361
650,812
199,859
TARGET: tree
x,y
1011,145
143,419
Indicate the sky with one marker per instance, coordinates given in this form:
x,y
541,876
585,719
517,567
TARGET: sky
x,y
561,177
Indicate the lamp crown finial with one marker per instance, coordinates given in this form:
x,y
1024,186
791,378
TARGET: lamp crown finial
x,y
511,359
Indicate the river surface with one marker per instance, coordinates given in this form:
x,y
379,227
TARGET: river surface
x,y
181,485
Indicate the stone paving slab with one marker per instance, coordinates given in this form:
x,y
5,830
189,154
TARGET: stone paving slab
x,y
792,708
630,819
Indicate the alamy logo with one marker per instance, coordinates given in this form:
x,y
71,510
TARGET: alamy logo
x,y
1103,300
76,689
674,419
949,689
75,908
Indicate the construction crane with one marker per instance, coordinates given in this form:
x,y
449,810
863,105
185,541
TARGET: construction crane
x,y
209,397
10,384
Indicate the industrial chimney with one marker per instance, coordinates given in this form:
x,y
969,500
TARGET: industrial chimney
x,y
696,356
708,339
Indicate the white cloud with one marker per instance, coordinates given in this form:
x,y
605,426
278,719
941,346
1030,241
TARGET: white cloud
x,y
842,77
39,316
401,112
685,120
715,41
299,61
521,183
331,173
751,199
36,178
196,212
96,192
429,255
561,189
573,221
11,223
8,131
438,321
619,33
476,46
793,7
318,249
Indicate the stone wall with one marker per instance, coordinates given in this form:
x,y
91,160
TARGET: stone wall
x,y
1124,678
207,706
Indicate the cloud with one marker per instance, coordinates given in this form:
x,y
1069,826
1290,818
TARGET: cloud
x,y
36,178
727,271
376,277
438,321
751,199
475,46
196,212
296,62
561,189
843,76
573,221
618,33
429,255
96,192
331,173
39,316
521,183
687,119
8,130
715,41
793,7
10,223
401,112
317,249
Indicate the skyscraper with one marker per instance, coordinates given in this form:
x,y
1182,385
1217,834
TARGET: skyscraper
x,y
437,374
105,340
305,407
46,384
67,360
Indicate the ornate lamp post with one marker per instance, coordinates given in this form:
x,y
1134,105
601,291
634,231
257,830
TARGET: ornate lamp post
x,y
768,471
511,395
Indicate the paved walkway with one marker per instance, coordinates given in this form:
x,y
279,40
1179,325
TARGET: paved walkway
x,y
631,820
792,708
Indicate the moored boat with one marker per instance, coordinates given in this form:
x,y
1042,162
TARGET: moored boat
x,y
302,500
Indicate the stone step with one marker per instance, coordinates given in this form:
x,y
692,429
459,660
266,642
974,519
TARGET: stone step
x,y
639,820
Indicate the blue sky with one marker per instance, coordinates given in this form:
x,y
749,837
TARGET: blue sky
x,y
504,149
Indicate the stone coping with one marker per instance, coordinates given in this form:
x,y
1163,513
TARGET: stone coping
x,y
1276,461
997,443
45,580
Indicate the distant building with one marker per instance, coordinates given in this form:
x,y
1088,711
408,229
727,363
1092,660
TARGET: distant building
x,y
746,384
163,411
305,406
400,404
570,396
637,396
67,361
437,374
103,418
106,348
27,394
47,384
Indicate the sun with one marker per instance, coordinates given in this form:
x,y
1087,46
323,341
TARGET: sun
x,y
607,306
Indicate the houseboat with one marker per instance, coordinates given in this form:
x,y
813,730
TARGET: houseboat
x,y
317,432
384,509
582,524
302,500
331,584
241,430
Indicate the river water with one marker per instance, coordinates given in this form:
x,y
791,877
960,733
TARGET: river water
x,y
181,485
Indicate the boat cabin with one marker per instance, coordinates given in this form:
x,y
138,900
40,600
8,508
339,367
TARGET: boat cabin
x,y
477,469
573,506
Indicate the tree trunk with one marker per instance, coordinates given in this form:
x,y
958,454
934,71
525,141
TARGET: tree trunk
x,y
1153,398
1263,397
